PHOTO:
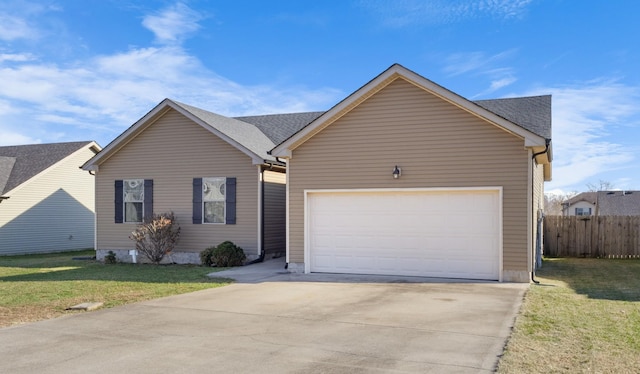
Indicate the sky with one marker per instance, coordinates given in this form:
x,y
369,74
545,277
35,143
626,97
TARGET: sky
x,y
87,70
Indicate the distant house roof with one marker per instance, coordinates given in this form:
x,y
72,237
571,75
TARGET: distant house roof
x,y
589,197
618,203
20,163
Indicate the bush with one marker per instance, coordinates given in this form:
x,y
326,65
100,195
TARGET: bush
x,y
110,258
224,255
157,237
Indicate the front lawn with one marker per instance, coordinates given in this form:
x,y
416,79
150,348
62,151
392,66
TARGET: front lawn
x,y
583,317
37,287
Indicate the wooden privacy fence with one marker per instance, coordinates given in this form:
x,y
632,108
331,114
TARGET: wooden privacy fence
x,y
589,236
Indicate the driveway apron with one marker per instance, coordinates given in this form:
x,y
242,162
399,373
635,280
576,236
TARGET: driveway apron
x,y
272,322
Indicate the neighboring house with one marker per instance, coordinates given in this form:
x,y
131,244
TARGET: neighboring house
x,y
583,204
46,200
603,203
212,171
406,177
402,177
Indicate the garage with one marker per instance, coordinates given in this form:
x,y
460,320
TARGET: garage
x,y
452,233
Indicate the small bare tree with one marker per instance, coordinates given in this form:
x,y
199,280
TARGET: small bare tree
x,y
602,185
553,202
157,237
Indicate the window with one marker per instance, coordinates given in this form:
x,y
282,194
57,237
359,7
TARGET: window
x,y
583,211
133,200
213,198
133,197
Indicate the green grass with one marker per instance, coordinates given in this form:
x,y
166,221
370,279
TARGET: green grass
x,y
36,287
583,317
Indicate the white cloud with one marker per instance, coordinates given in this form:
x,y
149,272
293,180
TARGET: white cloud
x,y
402,13
483,65
16,57
10,137
173,24
584,117
100,96
13,27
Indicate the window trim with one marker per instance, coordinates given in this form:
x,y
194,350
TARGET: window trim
x,y
120,203
204,201
124,200
230,201
583,211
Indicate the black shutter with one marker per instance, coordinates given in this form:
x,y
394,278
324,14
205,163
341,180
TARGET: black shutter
x,y
119,202
148,200
231,201
197,201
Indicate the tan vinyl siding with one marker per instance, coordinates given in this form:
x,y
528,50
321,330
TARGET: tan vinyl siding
x,y
51,212
172,151
274,212
434,142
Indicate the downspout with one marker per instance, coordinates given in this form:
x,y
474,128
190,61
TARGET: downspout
x,y
262,251
538,236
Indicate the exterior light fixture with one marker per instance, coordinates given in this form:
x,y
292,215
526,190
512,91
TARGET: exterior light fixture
x,y
397,172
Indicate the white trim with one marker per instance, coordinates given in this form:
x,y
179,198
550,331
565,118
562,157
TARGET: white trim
x,y
530,210
214,201
307,192
287,214
260,207
396,71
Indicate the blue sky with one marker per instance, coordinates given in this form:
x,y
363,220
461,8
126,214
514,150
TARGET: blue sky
x,y
87,70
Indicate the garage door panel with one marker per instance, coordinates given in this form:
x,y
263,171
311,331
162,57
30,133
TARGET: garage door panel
x,y
440,234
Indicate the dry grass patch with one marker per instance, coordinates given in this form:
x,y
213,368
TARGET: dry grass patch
x,y
38,287
583,317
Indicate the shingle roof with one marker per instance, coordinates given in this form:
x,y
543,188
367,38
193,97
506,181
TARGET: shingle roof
x,y
244,133
279,127
6,164
20,163
584,196
532,113
619,203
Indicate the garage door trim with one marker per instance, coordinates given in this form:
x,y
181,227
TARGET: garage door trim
x,y
307,212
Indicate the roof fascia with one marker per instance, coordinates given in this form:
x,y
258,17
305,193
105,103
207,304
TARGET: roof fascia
x,y
397,71
147,120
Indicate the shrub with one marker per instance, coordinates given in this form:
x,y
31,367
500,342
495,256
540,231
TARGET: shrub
x,y
223,255
110,258
157,236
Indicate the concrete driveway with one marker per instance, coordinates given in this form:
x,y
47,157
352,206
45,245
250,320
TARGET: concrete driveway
x,y
270,322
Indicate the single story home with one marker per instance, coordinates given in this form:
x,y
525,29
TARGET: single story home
x,y
402,177
46,200
603,203
583,204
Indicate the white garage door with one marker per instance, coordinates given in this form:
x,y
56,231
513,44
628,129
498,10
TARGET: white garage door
x,y
451,234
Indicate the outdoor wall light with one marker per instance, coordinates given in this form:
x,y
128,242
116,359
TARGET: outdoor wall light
x,y
397,172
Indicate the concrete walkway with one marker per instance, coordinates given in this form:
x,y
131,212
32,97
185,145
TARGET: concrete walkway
x,y
274,322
